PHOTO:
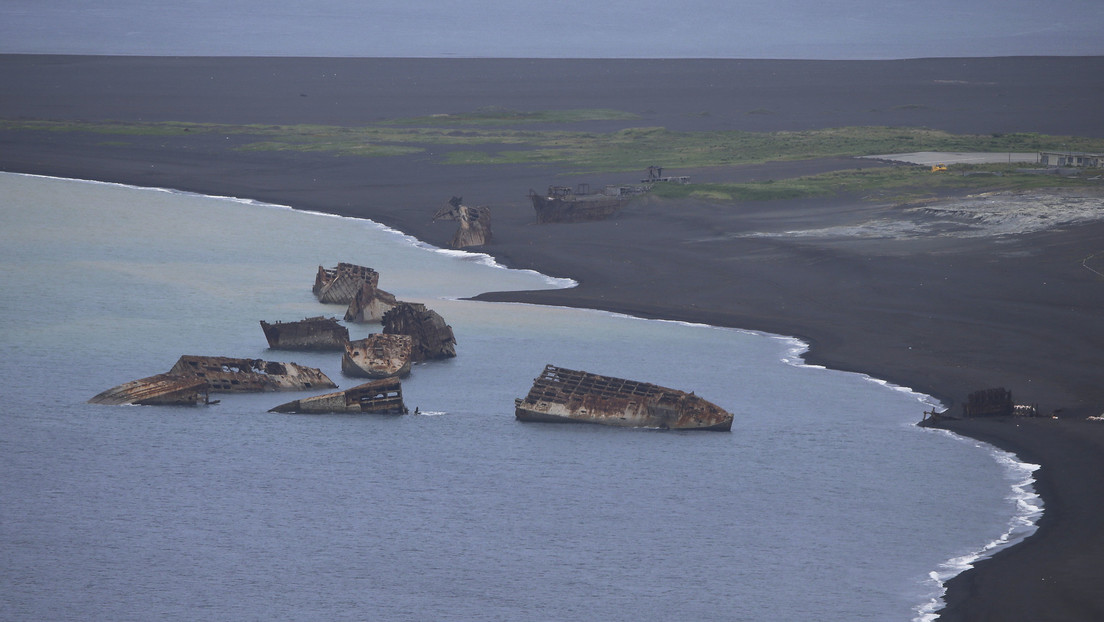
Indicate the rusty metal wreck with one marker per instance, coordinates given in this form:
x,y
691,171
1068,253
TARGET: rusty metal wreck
x,y
313,333
568,396
379,397
377,356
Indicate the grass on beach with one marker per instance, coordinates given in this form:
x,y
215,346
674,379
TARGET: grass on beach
x,y
497,136
899,183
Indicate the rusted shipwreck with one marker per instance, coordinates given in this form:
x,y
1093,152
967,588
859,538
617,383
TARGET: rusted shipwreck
x,y
566,204
475,223
313,333
195,376
339,285
356,286
380,397
159,390
369,304
431,338
568,396
995,402
377,356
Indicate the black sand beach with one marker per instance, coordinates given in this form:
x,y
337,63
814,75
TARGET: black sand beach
x,y
926,307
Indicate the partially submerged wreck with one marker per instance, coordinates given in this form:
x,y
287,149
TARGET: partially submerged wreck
x,y
193,377
377,356
475,223
431,337
369,304
340,285
232,375
568,396
159,390
380,397
313,333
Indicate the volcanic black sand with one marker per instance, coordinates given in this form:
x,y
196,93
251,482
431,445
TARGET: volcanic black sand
x,y
930,306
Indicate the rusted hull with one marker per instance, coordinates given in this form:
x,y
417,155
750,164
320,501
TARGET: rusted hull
x,y
369,304
569,396
231,375
554,209
378,356
431,337
316,333
379,397
159,390
995,402
340,285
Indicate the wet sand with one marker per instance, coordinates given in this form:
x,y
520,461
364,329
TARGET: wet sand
x,y
922,299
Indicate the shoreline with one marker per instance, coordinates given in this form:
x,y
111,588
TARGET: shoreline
x,y
943,316
798,351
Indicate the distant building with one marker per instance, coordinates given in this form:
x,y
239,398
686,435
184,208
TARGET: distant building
x,y
1071,158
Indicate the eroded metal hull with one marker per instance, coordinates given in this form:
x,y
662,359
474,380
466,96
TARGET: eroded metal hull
x,y
431,337
159,390
232,375
379,397
569,396
377,356
340,285
314,333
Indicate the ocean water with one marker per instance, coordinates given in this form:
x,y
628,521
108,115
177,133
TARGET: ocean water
x,y
824,502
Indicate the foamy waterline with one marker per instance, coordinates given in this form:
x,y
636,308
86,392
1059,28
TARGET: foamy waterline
x,y
1024,523
1029,506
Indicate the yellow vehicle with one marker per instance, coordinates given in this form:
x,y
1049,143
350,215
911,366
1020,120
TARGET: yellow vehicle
x,y
938,167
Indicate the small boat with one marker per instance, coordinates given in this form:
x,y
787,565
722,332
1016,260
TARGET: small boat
x,y
568,396
379,397
377,356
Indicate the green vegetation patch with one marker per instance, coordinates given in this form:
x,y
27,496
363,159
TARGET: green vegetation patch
x,y
901,183
503,116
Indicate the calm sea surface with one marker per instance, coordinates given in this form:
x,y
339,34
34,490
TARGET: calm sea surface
x,y
824,502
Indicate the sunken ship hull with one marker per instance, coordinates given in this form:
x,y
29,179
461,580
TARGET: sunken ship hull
x,y
378,397
313,333
378,356
569,396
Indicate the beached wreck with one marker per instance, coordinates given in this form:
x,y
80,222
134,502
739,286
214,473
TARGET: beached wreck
x,y
313,333
377,356
233,375
431,337
996,402
369,304
475,223
339,285
568,396
566,204
159,390
380,397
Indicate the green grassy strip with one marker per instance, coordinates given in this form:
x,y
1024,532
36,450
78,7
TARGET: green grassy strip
x,y
630,149
894,184
494,115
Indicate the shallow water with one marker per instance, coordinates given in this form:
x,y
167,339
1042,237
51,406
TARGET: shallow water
x,y
825,501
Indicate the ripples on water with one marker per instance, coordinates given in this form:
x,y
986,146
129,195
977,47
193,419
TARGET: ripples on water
x,y
823,502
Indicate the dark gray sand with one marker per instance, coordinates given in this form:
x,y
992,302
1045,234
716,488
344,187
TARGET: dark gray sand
x,y
941,300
